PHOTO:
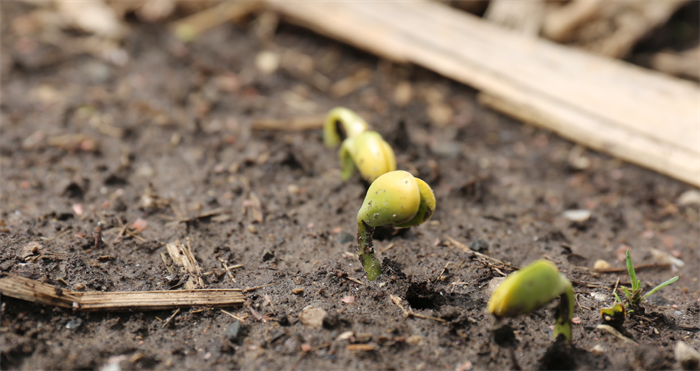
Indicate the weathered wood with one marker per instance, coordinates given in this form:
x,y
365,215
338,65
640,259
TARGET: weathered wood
x,y
638,115
37,292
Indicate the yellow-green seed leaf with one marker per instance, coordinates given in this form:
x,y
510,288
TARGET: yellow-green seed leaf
x,y
347,120
528,290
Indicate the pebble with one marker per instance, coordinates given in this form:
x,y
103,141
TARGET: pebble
x,y
479,245
464,366
691,197
345,237
267,62
577,215
601,264
233,331
252,228
415,340
311,316
298,291
597,350
74,323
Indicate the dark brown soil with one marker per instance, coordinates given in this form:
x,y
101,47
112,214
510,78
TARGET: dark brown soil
x,y
183,115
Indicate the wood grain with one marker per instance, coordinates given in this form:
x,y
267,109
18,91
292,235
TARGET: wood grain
x,y
641,116
37,292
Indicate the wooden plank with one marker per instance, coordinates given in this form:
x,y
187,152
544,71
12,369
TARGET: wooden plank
x,y
638,115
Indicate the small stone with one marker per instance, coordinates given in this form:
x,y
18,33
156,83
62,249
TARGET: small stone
x,y
345,335
298,291
293,189
252,228
306,347
74,323
234,331
601,264
479,245
691,197
688,357
597,350
267,62
464,366
415,340
348,300
140,224
345,237
311,316
578,216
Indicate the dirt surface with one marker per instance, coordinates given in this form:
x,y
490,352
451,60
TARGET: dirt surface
x,y
81,141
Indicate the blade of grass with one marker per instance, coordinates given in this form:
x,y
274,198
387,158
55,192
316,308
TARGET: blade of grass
x,y
627,294
630,270
657,288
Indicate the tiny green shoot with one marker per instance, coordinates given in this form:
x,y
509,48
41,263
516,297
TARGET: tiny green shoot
x,y
634,294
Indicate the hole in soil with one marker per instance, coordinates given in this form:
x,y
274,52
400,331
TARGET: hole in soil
x,y
421,296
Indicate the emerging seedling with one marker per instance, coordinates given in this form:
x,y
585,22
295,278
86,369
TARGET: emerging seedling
x,y
370,153
531,288
342,123
634,298
397,199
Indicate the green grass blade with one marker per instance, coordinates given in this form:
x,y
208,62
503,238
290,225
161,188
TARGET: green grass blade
x,y
627,294
617,298
657,288
630,270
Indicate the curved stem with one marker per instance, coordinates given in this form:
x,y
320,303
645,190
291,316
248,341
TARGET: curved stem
x,y
365,251
564,313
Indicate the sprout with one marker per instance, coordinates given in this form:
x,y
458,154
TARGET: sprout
x,y
635,296
342,123
397,199
370,153
530,289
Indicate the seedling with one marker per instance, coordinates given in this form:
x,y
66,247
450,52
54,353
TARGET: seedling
x,y
342,123
397,199
634,297
370,153
531,288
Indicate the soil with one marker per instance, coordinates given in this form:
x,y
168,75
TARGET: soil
x,y
83,141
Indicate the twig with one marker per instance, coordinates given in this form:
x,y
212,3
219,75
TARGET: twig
x,y
616,333
397,300
637,268
236,266
37,292
58,235
228,271
249,289
465,248
123,227
293,124
134,235
167,321
354,280
391,246
190,27
241,319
